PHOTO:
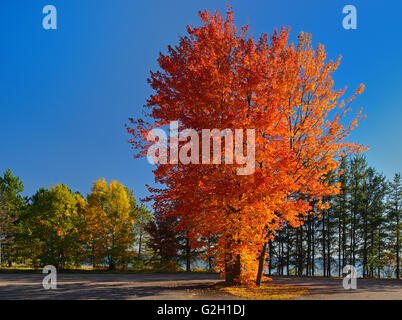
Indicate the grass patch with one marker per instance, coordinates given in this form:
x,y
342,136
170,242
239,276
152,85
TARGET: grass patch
x,y
267,291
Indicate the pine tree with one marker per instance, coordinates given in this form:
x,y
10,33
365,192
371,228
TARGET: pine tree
x,y
394,206
11,205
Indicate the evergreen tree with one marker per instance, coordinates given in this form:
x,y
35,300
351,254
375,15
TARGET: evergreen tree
x,y
394,206
11,205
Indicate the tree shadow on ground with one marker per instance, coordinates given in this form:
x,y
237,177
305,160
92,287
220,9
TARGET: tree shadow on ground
x,y
70,287
334,286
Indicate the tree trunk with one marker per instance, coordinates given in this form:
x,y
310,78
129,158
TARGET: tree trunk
x,y
280,257
270,257
287,252
324,252
261,264
232,269
308,265
313,250
297,251
328,246
379,255
397,246
301,260
188,255
365,250
339,248
140,245
93,257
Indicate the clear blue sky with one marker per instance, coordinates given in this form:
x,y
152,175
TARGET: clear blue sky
x,y
66,94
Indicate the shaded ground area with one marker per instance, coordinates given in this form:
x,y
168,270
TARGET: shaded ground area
x,y
112,286
332,288
177,286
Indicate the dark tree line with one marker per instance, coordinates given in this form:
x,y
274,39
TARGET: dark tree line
x,y
169,247
362,228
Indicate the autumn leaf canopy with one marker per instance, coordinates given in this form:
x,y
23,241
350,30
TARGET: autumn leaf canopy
x,y
218,76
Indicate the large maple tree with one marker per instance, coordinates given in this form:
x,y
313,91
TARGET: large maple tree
x,y
220,77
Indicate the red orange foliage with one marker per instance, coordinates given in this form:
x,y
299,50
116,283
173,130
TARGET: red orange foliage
x,y
218,77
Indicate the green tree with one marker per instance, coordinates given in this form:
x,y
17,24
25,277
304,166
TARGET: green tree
x,y
52,227
373,222
11,205
142,216
358,166
340,205
394,217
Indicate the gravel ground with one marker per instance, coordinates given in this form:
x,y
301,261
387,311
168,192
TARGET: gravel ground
x,y
332,288
112,286
177,286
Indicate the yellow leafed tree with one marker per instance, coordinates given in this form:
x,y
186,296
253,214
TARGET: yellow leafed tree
x,y
110,218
